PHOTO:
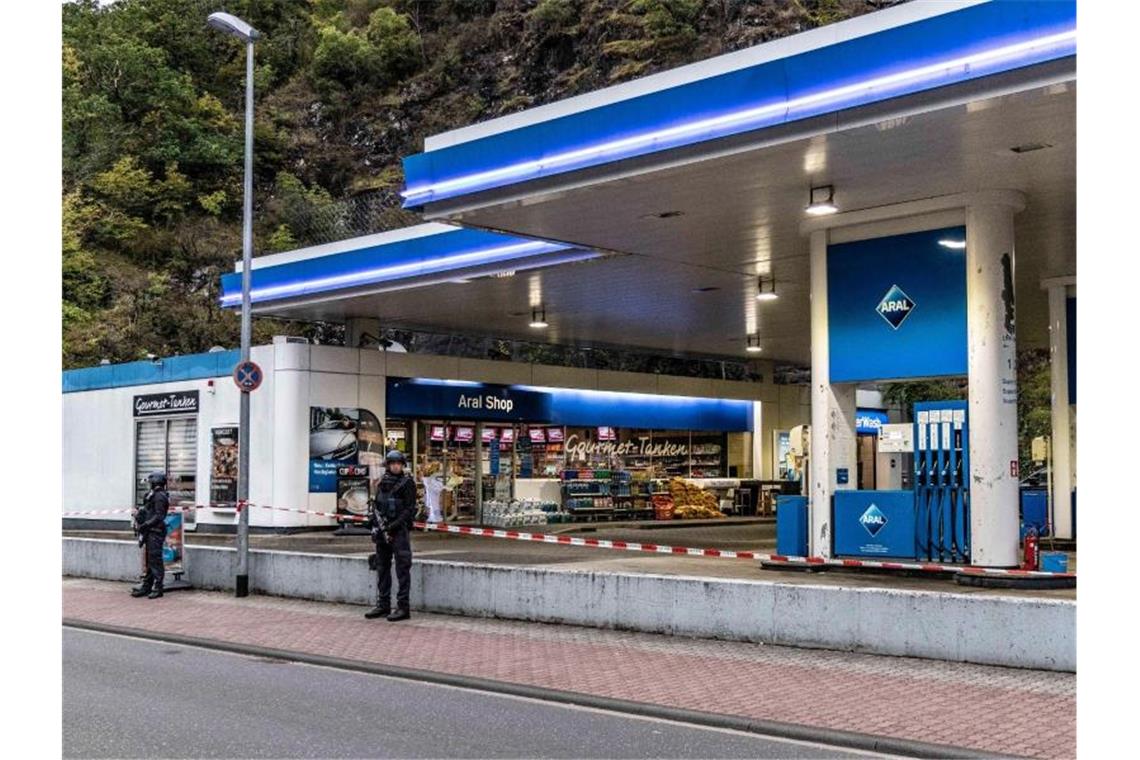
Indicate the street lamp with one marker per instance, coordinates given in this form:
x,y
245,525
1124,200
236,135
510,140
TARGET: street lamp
x,y
233,25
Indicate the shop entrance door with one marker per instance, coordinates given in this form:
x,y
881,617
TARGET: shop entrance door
x,y
866,454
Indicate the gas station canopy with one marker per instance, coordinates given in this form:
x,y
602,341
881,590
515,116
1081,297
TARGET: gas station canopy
x,y
673,194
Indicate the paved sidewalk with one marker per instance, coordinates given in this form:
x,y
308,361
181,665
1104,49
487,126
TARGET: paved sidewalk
x,y
991,709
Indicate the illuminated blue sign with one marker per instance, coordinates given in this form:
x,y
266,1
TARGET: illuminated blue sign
x,y
465,400
896,307
868,421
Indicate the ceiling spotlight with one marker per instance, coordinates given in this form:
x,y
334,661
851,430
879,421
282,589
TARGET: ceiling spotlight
x,y
766,290
753,345
538,318
956,245
821,201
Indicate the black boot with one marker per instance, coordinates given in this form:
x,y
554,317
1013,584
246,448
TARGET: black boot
x,y
400,613
379,611
138,591
156,593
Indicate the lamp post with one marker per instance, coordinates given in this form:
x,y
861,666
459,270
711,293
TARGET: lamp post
x,y
233,25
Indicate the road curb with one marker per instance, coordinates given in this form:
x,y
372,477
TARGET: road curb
x,y
776,729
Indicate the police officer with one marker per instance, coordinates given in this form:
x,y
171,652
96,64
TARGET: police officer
x,y
150,526
391,523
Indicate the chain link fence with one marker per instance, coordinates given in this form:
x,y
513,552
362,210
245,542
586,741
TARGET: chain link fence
x,y
303,221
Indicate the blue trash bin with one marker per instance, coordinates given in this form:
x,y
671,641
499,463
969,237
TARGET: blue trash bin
x,y
1034,511
792,526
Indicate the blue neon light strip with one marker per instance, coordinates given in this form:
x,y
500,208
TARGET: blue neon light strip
x,y
948,49
589,408
391,262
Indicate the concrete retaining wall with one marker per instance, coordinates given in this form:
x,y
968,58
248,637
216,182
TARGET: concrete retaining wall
x,y
980,628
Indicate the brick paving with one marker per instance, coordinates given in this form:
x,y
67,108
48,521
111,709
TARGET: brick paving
x,y
991,709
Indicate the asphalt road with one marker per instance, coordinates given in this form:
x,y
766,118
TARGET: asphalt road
x,y
126,697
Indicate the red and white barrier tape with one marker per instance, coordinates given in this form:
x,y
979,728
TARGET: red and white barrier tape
x,y
634,546
605,543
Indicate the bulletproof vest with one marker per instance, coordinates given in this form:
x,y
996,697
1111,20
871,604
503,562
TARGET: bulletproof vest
x,y
387,501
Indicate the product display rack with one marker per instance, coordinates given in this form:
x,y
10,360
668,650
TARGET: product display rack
x,y
587,494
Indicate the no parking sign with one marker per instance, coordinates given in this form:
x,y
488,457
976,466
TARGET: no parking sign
x,y
248,376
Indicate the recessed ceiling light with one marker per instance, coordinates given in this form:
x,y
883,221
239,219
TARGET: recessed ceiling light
x,y
538,319
957,245
821,201
1030,147
766,290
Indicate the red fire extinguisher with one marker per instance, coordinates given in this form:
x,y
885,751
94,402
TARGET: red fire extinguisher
x,y
1031,554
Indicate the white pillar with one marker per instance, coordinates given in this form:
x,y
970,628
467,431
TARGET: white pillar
x,y
290,440
832,412
1059,377
478,474
992,385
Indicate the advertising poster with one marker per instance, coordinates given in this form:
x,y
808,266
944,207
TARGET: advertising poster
x,y
172,547
526,459
495,456
223,465
352,490
340,436
784,469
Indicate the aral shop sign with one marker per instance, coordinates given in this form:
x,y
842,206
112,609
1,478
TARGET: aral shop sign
x,y
155,404
489,402
441,399
581,450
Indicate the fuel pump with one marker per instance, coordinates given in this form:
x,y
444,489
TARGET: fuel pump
x,y
923,487
960,488
930,523
941,461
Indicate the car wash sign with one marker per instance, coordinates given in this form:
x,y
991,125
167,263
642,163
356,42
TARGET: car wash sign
x,y
160,404
896,306
869,421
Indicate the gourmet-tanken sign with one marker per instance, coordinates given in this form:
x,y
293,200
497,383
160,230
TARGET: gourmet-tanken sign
x,y
579,449
155,404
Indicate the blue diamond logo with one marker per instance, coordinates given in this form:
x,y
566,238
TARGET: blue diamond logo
x,y
873,520
895,307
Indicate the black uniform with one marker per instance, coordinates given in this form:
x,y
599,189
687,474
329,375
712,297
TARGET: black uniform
x,y
392,513
151,525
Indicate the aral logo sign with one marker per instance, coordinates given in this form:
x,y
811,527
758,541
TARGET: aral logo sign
x,y
873,520
895,306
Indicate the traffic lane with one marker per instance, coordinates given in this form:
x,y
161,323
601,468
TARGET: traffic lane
x,y
128,697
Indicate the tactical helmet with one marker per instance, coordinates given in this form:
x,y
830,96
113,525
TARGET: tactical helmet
x,y
395,456
156,478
